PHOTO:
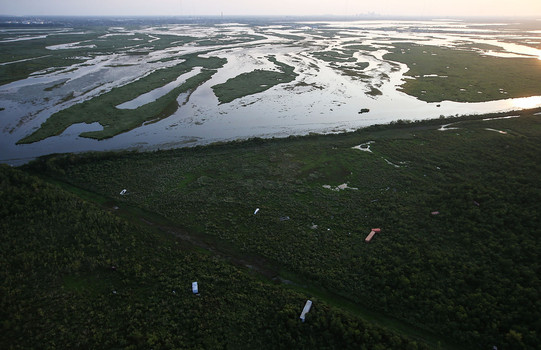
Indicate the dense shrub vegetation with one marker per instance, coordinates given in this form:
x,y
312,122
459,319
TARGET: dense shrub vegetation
x,y
470,272
73,275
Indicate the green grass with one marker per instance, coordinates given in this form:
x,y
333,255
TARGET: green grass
x,y
102,109
226,39
359,47
465,75
334,56
254,82
342,60
42,59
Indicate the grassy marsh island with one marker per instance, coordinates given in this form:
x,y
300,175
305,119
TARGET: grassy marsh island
x,y
103,109
311,76
465,74
254,82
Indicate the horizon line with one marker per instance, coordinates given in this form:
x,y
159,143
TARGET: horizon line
x,y
373,15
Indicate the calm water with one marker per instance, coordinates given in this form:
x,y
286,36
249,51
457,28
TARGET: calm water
x,y
326,101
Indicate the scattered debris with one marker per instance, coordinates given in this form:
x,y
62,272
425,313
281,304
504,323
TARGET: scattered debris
x,y
306,309
476,203
364,146
123,192
195,288
371,234
396,166
364,110
255,212
284,218
314,226
498,131
506,117
446,127
435,213
345,186
339,187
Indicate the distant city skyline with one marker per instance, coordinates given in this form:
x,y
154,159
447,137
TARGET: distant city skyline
x,y
423,8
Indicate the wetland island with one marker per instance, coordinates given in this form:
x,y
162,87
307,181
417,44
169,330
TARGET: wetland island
x,y
181,183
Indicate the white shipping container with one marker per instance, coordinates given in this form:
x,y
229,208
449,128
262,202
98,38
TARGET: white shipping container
x,y
306,309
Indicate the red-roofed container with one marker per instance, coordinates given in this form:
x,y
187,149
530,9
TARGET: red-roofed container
x,y
371,234
369,237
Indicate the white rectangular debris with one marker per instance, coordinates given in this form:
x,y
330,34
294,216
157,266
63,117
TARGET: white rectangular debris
x,y
195,289
306,309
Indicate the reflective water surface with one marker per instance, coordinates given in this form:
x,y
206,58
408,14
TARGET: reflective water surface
x,y
321,99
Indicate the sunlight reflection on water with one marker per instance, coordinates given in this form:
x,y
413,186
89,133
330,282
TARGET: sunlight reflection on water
x,y
526,102
323,98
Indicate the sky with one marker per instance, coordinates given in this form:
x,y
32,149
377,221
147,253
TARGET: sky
x,y
425,8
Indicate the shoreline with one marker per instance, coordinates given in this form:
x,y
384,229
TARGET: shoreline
x,y
397,124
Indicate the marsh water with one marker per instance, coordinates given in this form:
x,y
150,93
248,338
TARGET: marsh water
x,y
322,99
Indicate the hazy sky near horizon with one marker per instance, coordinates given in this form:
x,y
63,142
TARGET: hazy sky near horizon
x,y
428,8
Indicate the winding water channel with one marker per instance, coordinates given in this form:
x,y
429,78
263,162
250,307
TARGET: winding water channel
x,y
321,99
